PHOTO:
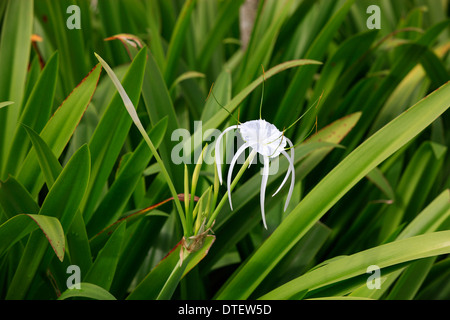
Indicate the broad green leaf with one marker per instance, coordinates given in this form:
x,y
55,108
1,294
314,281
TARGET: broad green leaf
x,y
297,88
330,189
413,188
347,56
22,224
126,181
78,243
35,114
50,166
264,47
429,220
402,66
156,46
435,69
87,290
111,133
15,199
76,237
410,281
294,21
102,270
177,40
231,227
34,71
62,203
15,46
161,282
437,287
142,239
399,99
383,256
111,17
159,105
130,108
297,261
59,129
225,18
69,42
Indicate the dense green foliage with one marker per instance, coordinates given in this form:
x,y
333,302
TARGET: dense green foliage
x,y
82,184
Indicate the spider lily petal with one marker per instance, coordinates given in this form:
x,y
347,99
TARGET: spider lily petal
x,y
264,138
217,151
265,177
230,171
291,188
289,169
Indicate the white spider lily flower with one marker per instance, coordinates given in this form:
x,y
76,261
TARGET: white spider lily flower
x,y
264,138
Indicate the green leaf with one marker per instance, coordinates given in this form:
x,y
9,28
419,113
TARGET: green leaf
x,y
429,220
69,42
161,282
111,133
260,53
62,203
22,224
102,271
378,179
143,238
231,227
330,189
412,54
129,106
15,47
78,243
87,290
222,92
50,166
5,104
15,199
77,239
383,256
177,40
159,105
410,281
185,76
303,77
297,261
112,205
59,129
413,188
35,114
222,115
222,23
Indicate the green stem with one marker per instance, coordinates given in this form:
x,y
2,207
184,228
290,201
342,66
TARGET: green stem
x,y
232,186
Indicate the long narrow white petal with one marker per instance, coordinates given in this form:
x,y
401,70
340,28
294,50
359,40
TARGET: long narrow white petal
x,y
265,177
230,171
289,169
291,188
217,151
